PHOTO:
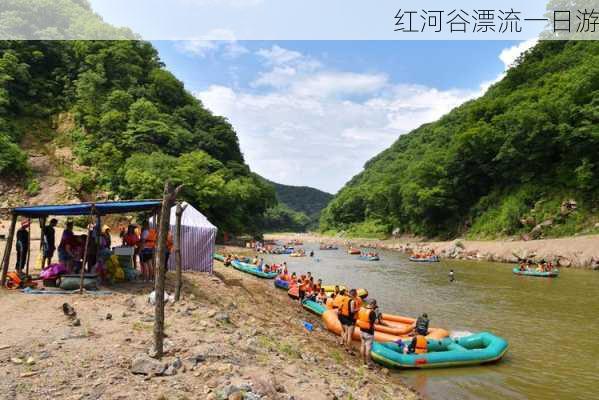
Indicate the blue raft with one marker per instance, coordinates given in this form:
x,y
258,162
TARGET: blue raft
x,y
281,284
253,270
479,348
314,307
539,274
427,259
369,258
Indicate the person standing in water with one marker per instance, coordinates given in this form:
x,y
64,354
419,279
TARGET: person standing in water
x,y
451,276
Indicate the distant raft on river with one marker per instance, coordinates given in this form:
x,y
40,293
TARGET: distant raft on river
x,y
533,272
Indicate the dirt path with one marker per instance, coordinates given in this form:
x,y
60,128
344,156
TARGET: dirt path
x,y
578,251
231,331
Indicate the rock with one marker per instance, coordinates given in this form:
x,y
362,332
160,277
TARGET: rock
x,y
68,310
564,262
170,371
109,316
76,322
235,396
222,317
142,364
211,314
30,361
177,363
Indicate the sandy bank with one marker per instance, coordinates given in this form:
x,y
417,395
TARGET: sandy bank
x,y
578,252
230,331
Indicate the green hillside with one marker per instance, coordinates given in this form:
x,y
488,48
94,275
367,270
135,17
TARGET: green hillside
x,y
298,208
496,166
133,125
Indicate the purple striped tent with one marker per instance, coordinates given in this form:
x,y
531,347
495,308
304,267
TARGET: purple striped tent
x,y
197,240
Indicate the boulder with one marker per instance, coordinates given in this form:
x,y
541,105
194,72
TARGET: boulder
x,y
143,364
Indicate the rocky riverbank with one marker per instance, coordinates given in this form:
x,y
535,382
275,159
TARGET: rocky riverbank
x,y
576,252
231,337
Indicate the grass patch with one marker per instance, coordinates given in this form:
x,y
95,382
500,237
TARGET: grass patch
x,y
282,347
336,356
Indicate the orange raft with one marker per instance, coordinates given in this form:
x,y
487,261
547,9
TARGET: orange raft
x,y
399,328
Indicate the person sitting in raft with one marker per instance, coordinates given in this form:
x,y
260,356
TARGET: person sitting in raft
x,y
420,327
367,317
451,275
522,266
335,292
321,297
318,286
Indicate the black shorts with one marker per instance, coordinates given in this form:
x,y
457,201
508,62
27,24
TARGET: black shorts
x,y
146,255
347,321
302,294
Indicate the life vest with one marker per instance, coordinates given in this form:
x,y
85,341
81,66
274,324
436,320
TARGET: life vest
x,y
151,239
345,306
169,243
357,306
421,344
363,320
338,301
329,303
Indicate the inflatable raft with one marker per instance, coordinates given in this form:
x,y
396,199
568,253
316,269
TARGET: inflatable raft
x,y
297,255
540,274
354,251
281,283
369,258
253,270
314,307
329,289
479,348
219,257
425,259
399,329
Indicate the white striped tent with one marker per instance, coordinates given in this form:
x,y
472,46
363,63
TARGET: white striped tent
x,y
197,240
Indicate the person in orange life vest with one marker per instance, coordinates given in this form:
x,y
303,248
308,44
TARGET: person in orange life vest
x,y
346,317
367,317
169,249
131,239
149,239
304,284
355,305
318,286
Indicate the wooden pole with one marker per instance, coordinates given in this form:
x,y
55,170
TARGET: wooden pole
x,y
9,239
168,200
179,283
82,272
28,248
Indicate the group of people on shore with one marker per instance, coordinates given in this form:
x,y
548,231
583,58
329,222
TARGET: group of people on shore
x,y
353,311
92,249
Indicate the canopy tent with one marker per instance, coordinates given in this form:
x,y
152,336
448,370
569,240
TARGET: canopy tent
x,y
92,209
198,236
103,208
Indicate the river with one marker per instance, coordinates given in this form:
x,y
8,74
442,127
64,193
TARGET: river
x,y
550,323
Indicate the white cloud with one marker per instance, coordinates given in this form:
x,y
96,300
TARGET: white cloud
x,y
309,125
217,40
508,57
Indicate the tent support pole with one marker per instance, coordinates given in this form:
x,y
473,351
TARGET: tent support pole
x,y
179,283
81,277
6,257
28,249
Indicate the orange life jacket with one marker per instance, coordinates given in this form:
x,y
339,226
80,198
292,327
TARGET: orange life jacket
x,y
363,319
345,306
151,239
338,301
421,344
357,306
169,243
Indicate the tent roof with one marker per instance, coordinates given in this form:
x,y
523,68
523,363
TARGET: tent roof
x,y
191,217
103,208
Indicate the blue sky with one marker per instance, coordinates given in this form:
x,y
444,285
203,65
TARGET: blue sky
x,y
313,112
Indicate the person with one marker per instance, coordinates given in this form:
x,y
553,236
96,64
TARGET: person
x,y
92,247
311,253
318,286
356,304
22,245
451,276
335,292
321,297
420,327
346,317
303,287
149,237
105,238
49,242
169,249
65,248
131,239
367,318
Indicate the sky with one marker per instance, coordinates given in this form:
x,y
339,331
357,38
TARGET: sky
x,y
311,113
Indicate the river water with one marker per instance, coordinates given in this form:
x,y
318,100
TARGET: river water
x,y
550,324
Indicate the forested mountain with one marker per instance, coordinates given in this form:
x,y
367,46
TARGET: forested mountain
x,y
495,166
133,126
298,208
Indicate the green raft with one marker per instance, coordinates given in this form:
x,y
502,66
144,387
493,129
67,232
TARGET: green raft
x,y
219,257
479,348
539,274
251,269
314,307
